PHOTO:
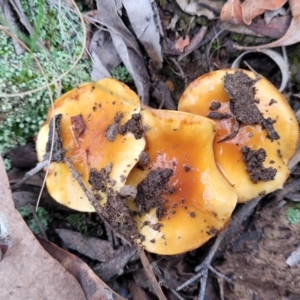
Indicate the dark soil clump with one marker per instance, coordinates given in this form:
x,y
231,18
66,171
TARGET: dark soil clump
x,y
241,91
119,215
113,129
254,165
144,158
218,116
100,180
215,105
150,191
134,126
115,211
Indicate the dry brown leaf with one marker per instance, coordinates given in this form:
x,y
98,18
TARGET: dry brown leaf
x,y
275,29
136,292
144,23
181,43
194,44
104,55
94,248
292,36
276,57
271,14
200,7
94,288
126,45
295,9
252,9
114,266
232,12
169,84
26,270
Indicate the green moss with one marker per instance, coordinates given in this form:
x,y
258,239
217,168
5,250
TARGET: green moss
x,y
78,222
42,214
57,41
293,214
121,73
237,37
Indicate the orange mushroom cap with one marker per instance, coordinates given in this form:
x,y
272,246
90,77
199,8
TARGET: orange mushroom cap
x,y
252,152
182,199
96,135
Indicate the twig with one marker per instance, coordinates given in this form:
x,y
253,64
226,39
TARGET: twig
x,y
216,37
195,43
30,173
150,274
38,222
177,294
91,197
233,225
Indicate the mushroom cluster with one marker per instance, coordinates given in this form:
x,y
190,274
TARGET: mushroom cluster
x,y
169,180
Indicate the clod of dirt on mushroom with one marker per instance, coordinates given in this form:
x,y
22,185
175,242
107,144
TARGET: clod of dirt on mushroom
x,y
254,122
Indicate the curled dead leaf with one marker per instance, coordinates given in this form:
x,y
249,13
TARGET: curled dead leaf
x,y
181,43
232,12
292,36
252,9
295,9
276,57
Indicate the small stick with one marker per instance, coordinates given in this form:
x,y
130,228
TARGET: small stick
x,y
30,173
38,222
225,235
150,274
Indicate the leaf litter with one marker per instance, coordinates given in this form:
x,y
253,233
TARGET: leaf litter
x,y
177,268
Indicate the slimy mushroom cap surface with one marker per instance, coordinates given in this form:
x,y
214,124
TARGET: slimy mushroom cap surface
x,y
182,199
249,174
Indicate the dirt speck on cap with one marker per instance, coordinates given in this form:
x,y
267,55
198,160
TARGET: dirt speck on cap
x,y
218,116
151,191
144,158
215,105
78,125
254,165
113,129
272,101
134,126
